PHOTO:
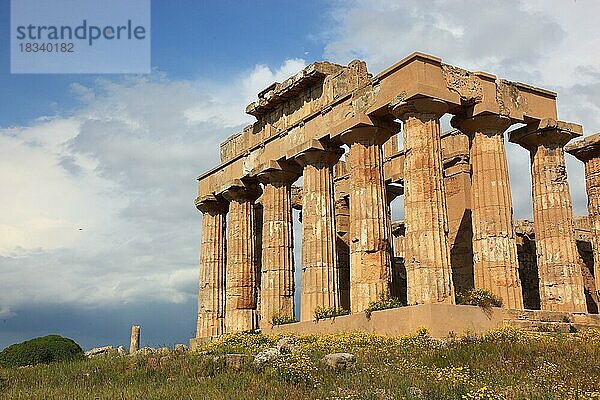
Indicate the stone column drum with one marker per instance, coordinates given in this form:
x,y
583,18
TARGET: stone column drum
x,y
320,275
559,265
134,340
427,255
211,290
240,280
277,274
495,263
370,225
588,151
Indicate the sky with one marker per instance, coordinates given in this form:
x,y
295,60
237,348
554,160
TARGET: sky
x,y
97,172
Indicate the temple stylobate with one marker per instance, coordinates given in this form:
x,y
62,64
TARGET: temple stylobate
x,y
337,129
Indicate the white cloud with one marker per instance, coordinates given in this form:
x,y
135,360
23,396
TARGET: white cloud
x,y
227,103
5,311
98,206
45,203
472,33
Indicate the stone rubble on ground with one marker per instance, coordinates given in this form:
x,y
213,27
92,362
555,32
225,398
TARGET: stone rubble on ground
x,y
266,356
340,361
287,345
100,351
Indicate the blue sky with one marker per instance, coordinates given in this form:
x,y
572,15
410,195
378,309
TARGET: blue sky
x,y
117,155
190,40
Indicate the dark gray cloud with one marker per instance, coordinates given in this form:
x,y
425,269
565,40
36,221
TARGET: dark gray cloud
x,y
162,323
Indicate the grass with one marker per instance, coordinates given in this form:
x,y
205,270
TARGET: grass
x,y
503,364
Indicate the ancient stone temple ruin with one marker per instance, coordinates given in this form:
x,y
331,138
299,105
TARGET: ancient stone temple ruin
x,y
354,142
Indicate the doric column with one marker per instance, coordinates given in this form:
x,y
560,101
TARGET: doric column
x,y
342,227
320,275
588,151
495,263
559,265
211,299
427,258
457,184
370,225
277,274
240,280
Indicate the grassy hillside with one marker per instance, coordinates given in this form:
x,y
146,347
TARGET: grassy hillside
x,y
504,364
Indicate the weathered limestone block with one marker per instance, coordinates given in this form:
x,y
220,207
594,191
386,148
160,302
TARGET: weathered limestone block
x,y
320,274
588,151
370,225
559,265
211,290
241,271
427,259
134,342
277,274
495,263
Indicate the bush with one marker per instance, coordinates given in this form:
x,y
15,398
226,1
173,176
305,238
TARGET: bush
x,y
478,297
279,319
42,350
383,304
330,312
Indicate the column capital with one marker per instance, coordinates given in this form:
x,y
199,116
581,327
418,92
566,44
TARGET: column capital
x,y
419,107
278,173
376,135
488,124
585,149
546,132
210,204
315,153
240,191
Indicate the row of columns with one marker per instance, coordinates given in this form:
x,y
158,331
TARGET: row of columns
x,y
427,258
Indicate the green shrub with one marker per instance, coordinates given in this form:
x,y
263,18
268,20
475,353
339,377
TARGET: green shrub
x,y
383,304
329,312
42,350
279,319
478,297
